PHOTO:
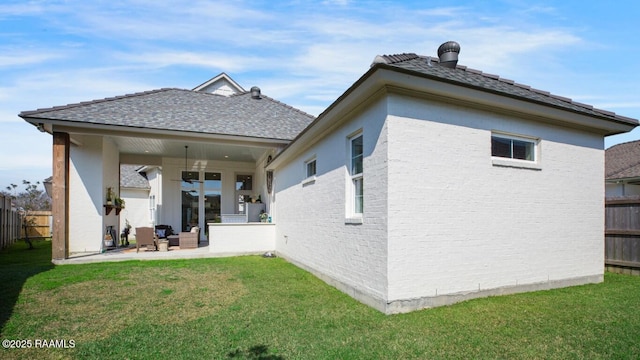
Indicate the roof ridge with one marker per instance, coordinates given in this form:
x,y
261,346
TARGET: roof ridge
x,y
621,149
398,58
624,143
395,58
538,91
277,102
623,169
96,101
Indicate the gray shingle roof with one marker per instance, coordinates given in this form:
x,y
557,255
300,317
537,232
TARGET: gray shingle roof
x,y
622,161
186,110
131,178
462,75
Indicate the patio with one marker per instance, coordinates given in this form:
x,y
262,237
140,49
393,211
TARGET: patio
x,y
129,253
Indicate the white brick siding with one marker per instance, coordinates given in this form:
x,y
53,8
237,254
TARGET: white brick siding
x,y
442,223
459,224
311,229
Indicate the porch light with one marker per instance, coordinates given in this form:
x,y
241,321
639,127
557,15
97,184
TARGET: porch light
x,y
48,183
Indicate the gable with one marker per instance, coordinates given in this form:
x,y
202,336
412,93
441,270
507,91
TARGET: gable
x,y
221,84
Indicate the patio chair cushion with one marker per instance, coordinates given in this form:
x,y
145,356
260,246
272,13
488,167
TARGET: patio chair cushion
x,y
162,231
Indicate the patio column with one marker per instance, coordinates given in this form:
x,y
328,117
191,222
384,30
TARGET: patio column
x,y
60,196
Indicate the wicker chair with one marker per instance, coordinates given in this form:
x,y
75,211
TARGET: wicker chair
x,y
145,236
188,240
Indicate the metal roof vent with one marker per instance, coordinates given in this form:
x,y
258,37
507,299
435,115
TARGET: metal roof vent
x,y
448,54
255,93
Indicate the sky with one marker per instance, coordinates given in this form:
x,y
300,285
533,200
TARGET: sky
x,y
303,53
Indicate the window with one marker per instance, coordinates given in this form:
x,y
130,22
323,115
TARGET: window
x,y
355,171
212,198
513,147
152,209
311,168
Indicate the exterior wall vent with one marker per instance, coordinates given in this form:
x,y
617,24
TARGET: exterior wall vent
x,y
448,54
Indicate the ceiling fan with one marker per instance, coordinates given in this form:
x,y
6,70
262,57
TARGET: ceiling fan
x,y
189,176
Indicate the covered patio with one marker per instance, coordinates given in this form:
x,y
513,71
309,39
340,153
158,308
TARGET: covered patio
x,y
204,156
127,254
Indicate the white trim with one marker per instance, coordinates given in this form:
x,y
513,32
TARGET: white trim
x,y
306,178
534,164
350,206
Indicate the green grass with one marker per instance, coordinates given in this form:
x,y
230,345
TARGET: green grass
x,y
257,308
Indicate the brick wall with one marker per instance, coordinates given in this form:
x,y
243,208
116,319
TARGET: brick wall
x,y
460,224
442,222
311,226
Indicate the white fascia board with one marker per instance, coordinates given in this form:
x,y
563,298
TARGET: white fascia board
x,y
477,98
217,78
110,130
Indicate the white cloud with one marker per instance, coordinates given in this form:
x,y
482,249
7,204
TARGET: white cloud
x,y
20,9
12,58
166,58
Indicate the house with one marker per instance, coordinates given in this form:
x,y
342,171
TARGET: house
x,y
207,151
622,170
136,191
424,184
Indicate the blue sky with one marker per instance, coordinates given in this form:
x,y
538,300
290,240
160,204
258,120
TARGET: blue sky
x,y
303,53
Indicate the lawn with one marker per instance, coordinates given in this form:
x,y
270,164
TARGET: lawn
x,y
265,308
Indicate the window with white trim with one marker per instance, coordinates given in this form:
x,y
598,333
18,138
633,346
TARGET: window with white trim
x,y
310,168
152,209
512,147
355,171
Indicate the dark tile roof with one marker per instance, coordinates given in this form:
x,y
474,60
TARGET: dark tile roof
x,y
462,75
622,161
131,178
186,110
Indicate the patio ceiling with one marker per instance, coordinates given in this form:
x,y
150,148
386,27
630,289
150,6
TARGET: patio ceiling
x,y
200,150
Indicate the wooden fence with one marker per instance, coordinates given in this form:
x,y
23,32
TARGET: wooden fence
x,y
10,223
39,224
622,234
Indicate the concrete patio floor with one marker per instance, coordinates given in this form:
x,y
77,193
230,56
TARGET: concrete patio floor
x,y
125,254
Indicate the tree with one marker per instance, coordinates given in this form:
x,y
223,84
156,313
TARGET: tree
x,y
32,198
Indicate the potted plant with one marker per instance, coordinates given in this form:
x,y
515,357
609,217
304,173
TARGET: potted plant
x,y
119,202
109,196
124,238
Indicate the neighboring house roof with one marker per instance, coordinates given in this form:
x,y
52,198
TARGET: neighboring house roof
x,y
461,75
131,178
188,111
622,161
221,84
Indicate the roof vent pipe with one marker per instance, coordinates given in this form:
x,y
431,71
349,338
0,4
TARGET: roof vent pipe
x,y
255,92
448,54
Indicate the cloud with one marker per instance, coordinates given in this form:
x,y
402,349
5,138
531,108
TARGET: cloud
x,y
20,9
217,60
11,58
